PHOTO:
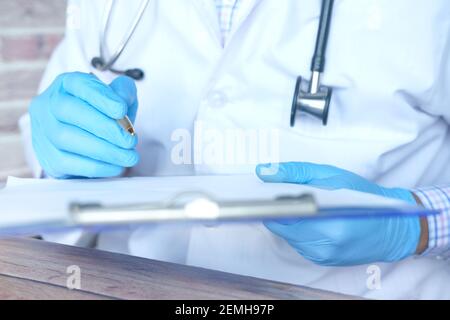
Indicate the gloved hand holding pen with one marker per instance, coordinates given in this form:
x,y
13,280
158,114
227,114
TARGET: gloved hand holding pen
x,y
75,129
339,241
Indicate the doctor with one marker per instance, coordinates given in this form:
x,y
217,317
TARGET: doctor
x,y
388,126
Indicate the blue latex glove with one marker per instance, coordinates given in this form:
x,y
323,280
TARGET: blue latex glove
x,y
339,241
74,128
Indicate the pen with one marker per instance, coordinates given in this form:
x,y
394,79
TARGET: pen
x,y
125,122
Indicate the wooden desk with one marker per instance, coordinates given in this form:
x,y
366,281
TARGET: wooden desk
x,y
33,269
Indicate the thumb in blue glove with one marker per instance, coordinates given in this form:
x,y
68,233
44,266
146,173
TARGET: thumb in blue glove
x,y
339,241
125,88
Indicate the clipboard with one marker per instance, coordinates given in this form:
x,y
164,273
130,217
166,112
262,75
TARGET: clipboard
x,y
200,207
39,206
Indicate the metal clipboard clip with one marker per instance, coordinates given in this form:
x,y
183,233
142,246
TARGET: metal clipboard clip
x,y
193,207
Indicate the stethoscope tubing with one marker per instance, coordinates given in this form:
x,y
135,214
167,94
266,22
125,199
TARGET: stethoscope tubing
x,y
127,37
315,101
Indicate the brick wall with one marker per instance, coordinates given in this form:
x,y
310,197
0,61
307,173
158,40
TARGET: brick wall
x,y
29,31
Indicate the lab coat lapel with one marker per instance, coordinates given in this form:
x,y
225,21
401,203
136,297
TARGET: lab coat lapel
x,y
208,12
247,7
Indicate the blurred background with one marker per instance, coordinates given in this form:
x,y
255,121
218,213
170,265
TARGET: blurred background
x,y
29,31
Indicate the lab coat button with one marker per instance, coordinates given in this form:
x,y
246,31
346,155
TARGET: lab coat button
x,y
217,100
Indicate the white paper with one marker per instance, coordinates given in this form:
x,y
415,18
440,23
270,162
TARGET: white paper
x,y
45,202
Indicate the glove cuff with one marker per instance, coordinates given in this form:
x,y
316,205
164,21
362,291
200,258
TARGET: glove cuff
x,y
402,194
404,239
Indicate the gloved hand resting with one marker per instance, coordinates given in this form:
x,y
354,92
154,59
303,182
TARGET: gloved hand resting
x,y
74,128
338,241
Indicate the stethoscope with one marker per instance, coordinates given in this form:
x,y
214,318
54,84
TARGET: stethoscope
x,y
310,98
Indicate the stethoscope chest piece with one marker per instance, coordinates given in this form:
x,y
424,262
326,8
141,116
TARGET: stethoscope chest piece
x,y
314,102
313,98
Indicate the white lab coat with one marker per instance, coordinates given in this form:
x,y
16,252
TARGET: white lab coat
x,y
389,65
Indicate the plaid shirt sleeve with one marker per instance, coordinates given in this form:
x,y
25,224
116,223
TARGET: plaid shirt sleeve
x,y
437,198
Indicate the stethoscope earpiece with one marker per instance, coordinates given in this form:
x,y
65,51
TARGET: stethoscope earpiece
x,y
136,74
98,63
